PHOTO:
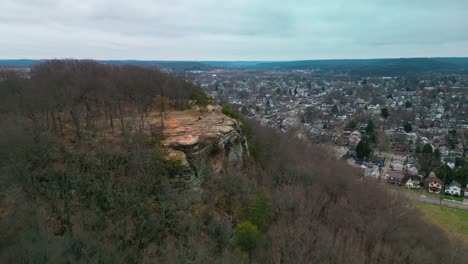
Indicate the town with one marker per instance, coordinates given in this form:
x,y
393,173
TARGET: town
x,y
243,132
410,131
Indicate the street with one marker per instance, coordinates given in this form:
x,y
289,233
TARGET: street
x,y
433,200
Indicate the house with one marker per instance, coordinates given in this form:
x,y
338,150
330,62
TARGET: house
x,y
355,137
397,166
399,156
412,181
372,171
395,177
433,184
412,170
454,188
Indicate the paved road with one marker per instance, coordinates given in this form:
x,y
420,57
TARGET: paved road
x,y
388,161
433,200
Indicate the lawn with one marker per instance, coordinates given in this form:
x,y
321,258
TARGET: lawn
x,y
423,191
454,198
451,220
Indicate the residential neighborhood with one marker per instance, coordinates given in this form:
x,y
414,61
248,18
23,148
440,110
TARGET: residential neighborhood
x,y
410,131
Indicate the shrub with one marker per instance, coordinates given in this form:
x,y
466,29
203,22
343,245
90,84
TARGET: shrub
x,y
260,211
247,235
227,111
141,138
245,126
352,124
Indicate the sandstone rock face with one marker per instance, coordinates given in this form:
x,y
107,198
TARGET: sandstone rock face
x,y
214,137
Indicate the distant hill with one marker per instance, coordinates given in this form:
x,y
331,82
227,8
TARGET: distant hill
x,y
462,62
168,65
19,63
374,66
233,64
367,67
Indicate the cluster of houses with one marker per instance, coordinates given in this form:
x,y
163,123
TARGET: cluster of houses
x,y
335,110
320,107
403,172
432,184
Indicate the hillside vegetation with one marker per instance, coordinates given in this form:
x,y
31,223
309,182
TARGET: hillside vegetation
x,y
85,179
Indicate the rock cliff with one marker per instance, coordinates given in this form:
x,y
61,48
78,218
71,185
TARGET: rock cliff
x,y
192,139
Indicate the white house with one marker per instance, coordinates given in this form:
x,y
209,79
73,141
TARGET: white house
x,y
355,136
412,182
372,172
399,157
453,189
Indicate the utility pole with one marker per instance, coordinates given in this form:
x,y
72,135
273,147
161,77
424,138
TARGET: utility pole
x,y
442,192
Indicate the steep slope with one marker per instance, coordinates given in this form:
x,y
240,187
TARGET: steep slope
x,y
191,137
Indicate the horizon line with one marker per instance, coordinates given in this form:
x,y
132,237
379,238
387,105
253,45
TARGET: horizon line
x,y
220,60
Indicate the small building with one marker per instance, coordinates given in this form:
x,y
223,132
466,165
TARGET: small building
x,y
395,177
372,171
453,189
355,137
412,181
412,170
397,166
399,156
433,184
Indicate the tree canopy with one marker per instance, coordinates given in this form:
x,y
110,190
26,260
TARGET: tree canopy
x,y
407,127
363,149
352,124
427,160
384,113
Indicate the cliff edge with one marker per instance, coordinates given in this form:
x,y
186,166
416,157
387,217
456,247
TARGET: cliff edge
x,y
191,137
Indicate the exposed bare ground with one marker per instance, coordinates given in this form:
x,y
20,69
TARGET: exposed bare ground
x,y
188,127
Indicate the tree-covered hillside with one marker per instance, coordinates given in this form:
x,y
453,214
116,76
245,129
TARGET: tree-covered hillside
x,y
85,179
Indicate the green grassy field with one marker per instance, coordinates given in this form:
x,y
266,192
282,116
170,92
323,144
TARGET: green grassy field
x,y
451,220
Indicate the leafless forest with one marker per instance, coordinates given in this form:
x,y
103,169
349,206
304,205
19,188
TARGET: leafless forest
x,y
84,180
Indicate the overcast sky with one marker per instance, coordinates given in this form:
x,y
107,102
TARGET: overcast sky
x,y
232,29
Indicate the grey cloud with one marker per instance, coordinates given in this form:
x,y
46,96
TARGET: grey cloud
x,y
210,29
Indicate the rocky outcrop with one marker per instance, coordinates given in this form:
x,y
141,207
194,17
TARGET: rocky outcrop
x,y
211,142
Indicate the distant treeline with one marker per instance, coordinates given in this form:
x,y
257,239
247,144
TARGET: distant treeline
x,y
178,66
375,67
365,67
